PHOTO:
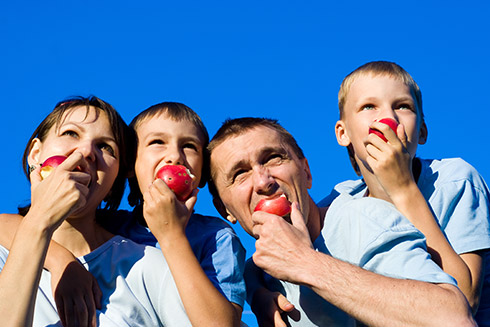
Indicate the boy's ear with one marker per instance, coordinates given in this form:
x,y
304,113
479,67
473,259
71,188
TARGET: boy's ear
x,y
34,152
218,204
341,134
423,133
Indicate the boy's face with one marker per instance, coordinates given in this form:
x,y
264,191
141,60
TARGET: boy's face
x,y
164,141
372,98
255,165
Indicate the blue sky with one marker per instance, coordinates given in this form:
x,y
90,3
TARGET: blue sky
x,y
278,59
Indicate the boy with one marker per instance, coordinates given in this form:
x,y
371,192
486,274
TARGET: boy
x,y
447,200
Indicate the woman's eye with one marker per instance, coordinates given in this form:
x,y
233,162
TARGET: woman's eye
x,y
106,147
70,133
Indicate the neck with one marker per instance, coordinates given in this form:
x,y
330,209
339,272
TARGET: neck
x,y
316,217
81,235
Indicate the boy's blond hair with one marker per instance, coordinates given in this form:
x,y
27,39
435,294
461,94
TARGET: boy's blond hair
x,y
377,68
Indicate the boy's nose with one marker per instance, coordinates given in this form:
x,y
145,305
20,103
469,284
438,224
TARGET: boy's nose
x,y
263,182
174,157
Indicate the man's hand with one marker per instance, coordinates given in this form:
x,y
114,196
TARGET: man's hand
x,y
282,249
77,295
269,306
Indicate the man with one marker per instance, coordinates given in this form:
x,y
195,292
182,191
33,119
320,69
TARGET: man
x,y
328,280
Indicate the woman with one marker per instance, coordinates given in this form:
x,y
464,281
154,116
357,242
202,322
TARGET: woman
x,y
134,279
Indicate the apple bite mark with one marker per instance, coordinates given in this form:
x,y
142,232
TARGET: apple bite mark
x,y
178,178
49,164
278,206
387,121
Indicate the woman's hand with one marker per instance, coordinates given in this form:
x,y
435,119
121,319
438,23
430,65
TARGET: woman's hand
x,y
62,192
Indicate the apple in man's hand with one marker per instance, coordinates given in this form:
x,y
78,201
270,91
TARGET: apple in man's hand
x,y
178,178
278,206
49,164
388,121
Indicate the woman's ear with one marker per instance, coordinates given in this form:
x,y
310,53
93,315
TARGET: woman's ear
x,y
341,133
35,152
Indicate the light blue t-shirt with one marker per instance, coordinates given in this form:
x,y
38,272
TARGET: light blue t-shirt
x,y
368,233
214,243
459,199
136,283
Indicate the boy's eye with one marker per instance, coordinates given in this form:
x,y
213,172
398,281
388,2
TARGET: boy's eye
x,y
190,146
156,141
404,106
368,107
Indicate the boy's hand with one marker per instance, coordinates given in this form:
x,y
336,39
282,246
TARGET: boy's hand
x,y
163,212
77,295
268,307
390,161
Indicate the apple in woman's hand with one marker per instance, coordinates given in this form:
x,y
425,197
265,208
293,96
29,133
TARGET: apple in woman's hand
x,y
178,178
49,164
278,206
388,121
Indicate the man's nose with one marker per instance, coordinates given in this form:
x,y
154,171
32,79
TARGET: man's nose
x,y
264,182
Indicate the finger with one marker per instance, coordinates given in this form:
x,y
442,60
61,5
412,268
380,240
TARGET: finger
x,y
97,294
283,303
402,135
297,219
35,176
256,230
61,310
73,161
91,313
191,201
278,322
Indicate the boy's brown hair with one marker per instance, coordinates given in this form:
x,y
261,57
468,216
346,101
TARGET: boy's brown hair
x,y
377,68
178,112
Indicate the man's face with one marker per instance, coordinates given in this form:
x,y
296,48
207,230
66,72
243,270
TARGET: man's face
x,y
256,165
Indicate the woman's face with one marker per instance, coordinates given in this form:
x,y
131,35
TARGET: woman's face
x,y
87,131
164,141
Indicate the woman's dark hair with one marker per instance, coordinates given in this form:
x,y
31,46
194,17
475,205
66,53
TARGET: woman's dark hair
x,y
120,130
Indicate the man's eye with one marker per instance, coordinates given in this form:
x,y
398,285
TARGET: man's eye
x,y
239,175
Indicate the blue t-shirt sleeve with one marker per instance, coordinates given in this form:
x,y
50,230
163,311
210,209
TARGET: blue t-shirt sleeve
x,y
372,234
223,262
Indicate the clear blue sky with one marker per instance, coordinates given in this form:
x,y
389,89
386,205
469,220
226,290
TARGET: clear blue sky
x,y
279,59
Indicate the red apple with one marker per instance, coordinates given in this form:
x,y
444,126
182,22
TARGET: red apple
x,y
49,164
388,121
278,206
178,178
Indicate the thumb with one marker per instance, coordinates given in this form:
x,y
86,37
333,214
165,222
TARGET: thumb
x,y
191,201
400,132
35,176
284,304
297,219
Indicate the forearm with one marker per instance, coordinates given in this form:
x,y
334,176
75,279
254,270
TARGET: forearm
x,y
19,279
382,301
414,207
204,304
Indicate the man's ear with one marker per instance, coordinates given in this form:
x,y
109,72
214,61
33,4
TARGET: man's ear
x,y
306,167
423,133
341,134
218,204
34,153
